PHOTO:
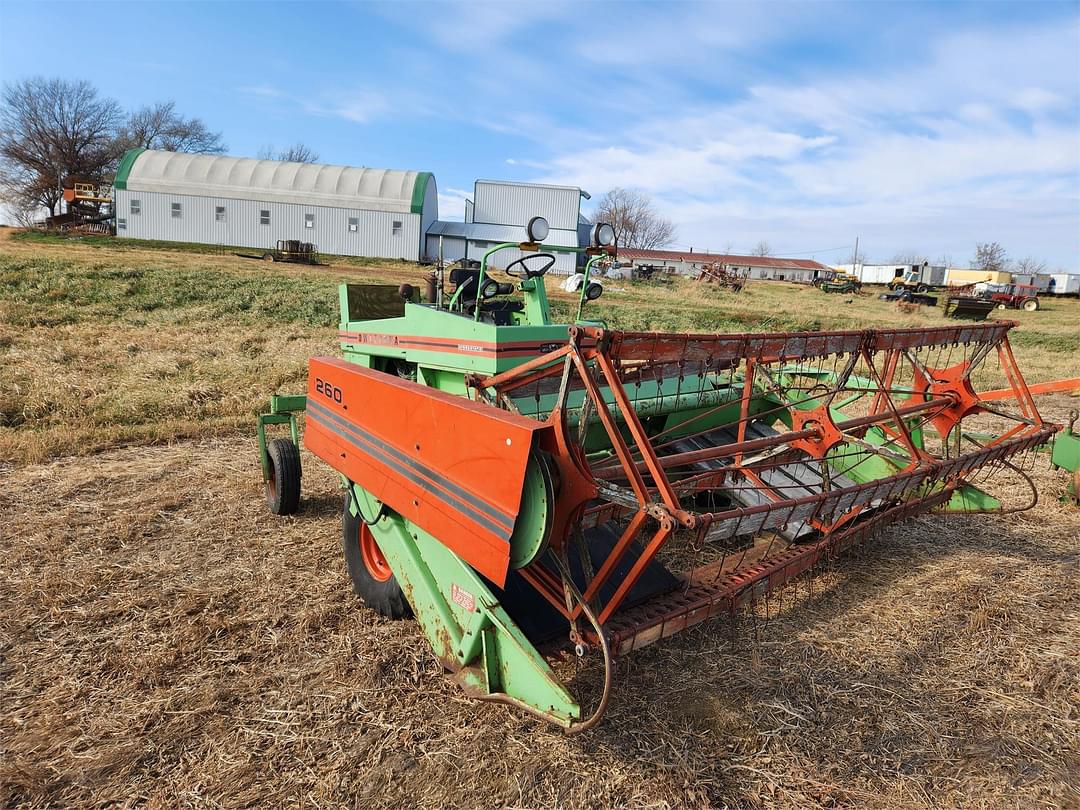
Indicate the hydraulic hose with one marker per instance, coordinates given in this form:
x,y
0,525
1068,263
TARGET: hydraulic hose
x,y
609,664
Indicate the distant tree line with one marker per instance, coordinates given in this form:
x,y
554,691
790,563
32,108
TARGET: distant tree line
x,y
989,256
56,130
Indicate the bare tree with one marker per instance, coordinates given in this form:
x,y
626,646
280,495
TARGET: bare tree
x,y
297,153
160,127
762,248
52,129
637,223
1029,264
990,256
907,257
22,209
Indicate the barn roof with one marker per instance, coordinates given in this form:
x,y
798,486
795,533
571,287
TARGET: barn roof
x,y
775,262
236,178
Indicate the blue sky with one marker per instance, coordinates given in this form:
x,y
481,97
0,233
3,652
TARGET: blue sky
x,y
917,127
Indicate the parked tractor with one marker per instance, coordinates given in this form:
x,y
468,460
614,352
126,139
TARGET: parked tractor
x,y
1013,296
530,490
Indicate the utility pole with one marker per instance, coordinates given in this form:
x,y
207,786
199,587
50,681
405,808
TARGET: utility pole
x,y
855,258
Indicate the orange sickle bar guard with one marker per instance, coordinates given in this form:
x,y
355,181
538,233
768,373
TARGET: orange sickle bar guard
x,y
454,467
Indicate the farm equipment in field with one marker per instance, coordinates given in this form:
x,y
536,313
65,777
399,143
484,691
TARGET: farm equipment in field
x,y
968,307
526,488
919,278
1014,296
293,250
838,282
840,285
719,274
906,296
1065,455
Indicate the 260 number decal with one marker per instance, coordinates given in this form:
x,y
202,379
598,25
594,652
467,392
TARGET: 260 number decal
x,y
327,389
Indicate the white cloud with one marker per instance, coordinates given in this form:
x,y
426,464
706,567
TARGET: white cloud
x,y
261,90
358,106
976,141
452,203
471,25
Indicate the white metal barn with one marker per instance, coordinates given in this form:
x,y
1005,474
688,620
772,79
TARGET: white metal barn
x,y
244,202
499,212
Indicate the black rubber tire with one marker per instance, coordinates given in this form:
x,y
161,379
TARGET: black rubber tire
x,y
1030,305
386,597
283,488
922,288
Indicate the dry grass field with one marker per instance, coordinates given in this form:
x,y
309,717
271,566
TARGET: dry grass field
x,y
165,641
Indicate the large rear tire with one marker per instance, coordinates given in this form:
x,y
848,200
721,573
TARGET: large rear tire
x,y
1030,305
372,579
283,483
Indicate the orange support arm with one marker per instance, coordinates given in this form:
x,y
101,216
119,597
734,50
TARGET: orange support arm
x,y
1053,387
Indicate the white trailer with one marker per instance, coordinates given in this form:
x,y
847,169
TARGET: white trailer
x,y
874,273
1041,281
1064,284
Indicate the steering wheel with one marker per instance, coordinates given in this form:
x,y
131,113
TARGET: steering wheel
x,y
550,257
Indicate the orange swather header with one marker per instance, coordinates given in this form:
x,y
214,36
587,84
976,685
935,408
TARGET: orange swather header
x,y
452,466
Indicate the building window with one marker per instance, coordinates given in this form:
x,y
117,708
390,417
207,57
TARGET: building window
x,y
397,227
219,213
264,217
121,224
309,220
176,211
354,224
136,208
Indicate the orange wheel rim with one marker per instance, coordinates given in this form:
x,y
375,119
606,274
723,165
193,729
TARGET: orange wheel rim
x,y
373,558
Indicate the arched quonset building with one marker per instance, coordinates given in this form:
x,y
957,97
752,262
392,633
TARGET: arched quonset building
x,y
244,202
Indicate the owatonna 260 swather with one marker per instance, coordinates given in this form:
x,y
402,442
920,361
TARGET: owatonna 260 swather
x,y
524,487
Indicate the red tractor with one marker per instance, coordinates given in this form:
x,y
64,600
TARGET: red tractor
x,y
1015,296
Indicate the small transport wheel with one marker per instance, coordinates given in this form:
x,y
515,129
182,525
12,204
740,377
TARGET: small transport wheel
x,y
268,257
1030,304
283,484
1002,306
372,579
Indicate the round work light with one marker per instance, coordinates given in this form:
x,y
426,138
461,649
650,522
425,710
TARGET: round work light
x,y
603,235
538,229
